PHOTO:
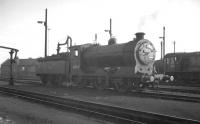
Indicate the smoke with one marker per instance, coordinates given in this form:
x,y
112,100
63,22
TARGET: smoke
x,y
144,20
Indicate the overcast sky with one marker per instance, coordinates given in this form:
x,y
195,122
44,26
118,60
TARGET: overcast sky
x,y
81,19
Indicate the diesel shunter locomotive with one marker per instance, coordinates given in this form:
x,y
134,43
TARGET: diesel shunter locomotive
x,y
120,66
185,67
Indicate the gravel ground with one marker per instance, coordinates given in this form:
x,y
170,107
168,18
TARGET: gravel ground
x,y
174,108
15,111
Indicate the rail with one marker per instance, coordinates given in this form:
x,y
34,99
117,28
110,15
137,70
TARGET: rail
x,y
168,96
106,112
151,93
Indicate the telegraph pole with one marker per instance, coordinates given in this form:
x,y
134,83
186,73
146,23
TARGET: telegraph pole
x,y
163,45
45,24
161,51
174,46
46,28
48,40
110,30
95,38
174,56
163,41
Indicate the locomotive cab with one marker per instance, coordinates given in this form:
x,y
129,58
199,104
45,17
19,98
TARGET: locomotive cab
x,y
76,73
75,59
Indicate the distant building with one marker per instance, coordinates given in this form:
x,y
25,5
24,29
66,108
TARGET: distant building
x,y
22,69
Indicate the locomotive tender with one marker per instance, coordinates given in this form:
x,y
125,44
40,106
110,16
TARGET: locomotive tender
x,y
120,66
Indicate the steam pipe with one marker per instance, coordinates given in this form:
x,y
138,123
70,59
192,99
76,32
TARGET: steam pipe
x,y
66,42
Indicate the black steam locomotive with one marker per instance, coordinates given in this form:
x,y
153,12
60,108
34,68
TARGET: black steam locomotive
x,y
185,67
119,66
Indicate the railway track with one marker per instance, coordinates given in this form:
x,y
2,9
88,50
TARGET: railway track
x,y
193,91
161,94
105,112
168,96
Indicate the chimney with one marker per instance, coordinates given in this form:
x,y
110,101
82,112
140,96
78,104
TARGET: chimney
x,y
139,36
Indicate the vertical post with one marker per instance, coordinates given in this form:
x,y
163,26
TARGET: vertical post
x,y
164,66
174,46
174,56
48,40
45,24
110,31
163,41
95,38
11,67
161,51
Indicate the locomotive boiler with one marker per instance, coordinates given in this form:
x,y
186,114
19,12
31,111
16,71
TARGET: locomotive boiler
x,y
119,66
138,54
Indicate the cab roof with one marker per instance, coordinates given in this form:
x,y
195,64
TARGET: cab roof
x,y
182,54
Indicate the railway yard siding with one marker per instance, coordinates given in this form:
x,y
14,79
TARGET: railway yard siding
x,y
170,107
16,111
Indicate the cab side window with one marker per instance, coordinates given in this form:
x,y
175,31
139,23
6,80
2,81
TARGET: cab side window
x,y
76,53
